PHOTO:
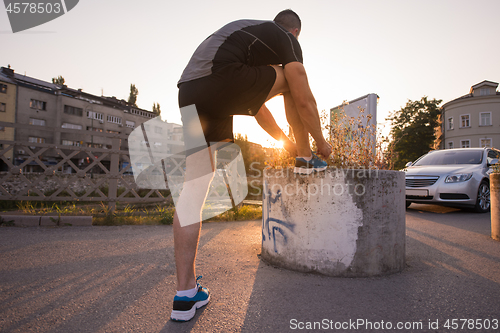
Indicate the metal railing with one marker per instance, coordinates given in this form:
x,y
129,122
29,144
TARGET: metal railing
x,y
113,166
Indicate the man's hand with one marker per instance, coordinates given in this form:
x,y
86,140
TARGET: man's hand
x,y
324,149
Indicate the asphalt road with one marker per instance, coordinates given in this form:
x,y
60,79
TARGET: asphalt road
x,y
121,279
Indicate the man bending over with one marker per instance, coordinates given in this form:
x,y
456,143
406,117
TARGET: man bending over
x,y
234,72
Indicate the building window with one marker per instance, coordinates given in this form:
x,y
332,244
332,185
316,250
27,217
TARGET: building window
x,y
485,119
71,143
3,88
38,122
450,145
71,126
484,91
94,145
465,143
3,107
95,129
113,132
450,123
95,115
114,120
465,120
73,110
485,143
39,105
142,113
130,124
158,130
35,140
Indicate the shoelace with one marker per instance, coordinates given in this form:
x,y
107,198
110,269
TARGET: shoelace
x,y
198,278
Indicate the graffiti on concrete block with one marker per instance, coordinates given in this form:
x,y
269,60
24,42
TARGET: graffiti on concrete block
x,y
271,225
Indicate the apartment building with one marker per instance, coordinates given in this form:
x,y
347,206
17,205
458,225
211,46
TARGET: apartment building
x,y
472,120
8,115
47,106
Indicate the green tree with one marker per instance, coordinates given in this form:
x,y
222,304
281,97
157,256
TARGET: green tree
x,y
132,98
156,109
413,131
58,80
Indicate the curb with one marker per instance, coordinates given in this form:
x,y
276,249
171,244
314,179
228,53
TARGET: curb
x,y
47,221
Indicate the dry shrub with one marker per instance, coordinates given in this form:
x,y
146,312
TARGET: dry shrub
x,y
279,158
353,141
355,144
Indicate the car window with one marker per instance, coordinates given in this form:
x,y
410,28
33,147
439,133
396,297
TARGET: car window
x,y
492,154
451,157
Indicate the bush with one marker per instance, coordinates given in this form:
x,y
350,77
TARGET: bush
x,y
355,144
167,218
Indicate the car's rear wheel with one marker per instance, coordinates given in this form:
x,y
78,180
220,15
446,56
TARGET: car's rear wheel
x,y
483,198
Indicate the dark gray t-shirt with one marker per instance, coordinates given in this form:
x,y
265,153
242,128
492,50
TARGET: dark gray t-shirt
x,y
251,42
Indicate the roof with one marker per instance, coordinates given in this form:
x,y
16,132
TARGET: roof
x,y
8,75
6,78
33,81
353,101
484,83
470,95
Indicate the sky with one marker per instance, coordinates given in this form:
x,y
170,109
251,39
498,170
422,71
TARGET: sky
x,y
400,50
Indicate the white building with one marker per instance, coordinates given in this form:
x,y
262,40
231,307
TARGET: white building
x,y
472,120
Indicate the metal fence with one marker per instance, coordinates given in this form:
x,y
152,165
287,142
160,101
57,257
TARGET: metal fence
x,y
63,172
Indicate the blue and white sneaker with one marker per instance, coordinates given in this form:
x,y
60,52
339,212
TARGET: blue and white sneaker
x,y
184,308
307,167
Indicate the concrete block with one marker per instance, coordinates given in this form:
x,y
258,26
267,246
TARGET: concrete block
x,y
339,222
48,221
76,220
23,220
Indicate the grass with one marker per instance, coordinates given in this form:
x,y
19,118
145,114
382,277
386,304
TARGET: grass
x,y
61,208
165,216
130,214
243,213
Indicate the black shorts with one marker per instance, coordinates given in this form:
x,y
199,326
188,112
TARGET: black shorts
x,y
233,89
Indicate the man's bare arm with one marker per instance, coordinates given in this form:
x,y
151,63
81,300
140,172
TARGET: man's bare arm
x,y
305,103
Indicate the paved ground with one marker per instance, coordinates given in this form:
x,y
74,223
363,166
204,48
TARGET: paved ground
x,y
121,279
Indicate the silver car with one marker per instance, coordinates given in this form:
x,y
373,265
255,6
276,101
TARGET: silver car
x,y
452,177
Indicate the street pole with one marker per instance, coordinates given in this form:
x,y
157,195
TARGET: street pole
x,y
90,113
92,141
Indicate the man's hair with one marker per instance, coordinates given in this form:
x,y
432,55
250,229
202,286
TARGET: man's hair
x,y
288,19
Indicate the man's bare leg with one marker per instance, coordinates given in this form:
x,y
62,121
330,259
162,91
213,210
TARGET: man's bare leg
x,y
280,87
299,131
186,246
199,175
